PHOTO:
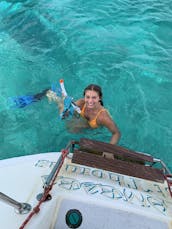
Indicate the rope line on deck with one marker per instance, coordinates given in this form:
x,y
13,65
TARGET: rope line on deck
x,y
169,182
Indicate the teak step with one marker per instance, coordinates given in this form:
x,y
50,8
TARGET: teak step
x,y
118,166
119,152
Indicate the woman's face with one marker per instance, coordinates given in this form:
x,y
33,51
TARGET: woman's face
x,y
91,98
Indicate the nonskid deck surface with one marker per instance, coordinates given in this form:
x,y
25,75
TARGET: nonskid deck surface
x,y
94,215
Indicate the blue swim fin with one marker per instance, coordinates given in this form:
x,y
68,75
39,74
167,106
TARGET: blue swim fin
x,y
21,101
25,100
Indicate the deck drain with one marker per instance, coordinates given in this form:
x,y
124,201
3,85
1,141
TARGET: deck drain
x,y
73,218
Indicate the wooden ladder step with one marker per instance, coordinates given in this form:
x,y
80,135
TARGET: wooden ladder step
x,y
97,147
118,166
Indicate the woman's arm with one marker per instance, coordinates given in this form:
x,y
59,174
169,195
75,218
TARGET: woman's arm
x,y
115,137
105,120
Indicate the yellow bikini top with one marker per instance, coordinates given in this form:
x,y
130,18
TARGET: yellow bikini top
x,y
93,122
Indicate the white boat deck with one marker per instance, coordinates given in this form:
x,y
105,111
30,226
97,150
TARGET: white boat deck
x,y
92,197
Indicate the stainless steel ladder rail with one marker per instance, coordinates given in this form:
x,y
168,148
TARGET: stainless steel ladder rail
x,y
166,170
20,208
52,173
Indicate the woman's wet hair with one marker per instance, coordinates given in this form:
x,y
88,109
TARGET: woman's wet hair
x,y
96,88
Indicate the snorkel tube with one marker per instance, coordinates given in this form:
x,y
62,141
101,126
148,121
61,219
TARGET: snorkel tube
x,y
64,94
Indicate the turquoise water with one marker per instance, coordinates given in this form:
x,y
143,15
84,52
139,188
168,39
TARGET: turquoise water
x,y
124,46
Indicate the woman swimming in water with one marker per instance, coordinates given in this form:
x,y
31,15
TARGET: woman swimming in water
x,y
93,111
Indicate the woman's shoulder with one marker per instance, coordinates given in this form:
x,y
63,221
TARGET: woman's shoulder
x,y
104,115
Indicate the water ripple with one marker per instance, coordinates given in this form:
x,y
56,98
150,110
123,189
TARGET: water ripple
x,y
125,46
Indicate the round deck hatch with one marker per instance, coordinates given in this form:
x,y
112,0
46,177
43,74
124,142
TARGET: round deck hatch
x,y
73,218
